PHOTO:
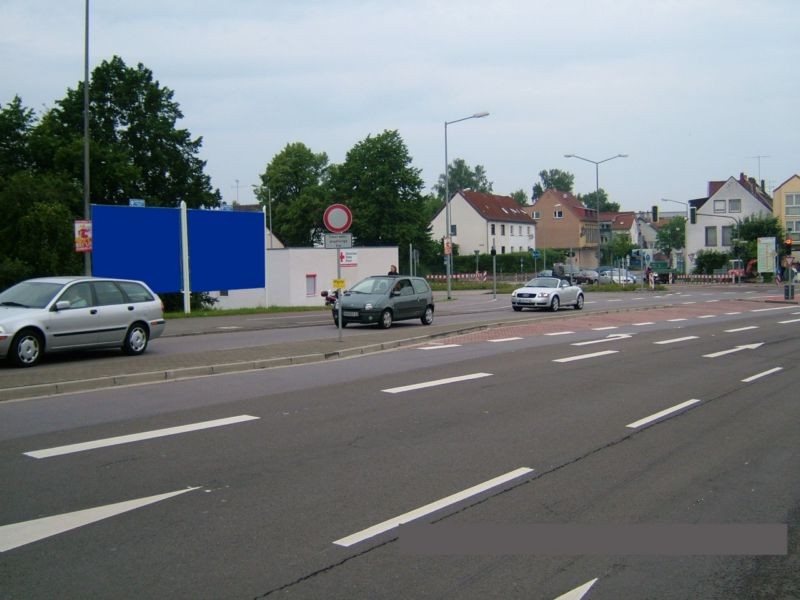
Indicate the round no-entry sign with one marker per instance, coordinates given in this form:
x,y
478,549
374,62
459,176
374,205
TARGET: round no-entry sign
x,y
337,218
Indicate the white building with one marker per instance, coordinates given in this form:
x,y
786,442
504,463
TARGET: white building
x,y
479,221
727,205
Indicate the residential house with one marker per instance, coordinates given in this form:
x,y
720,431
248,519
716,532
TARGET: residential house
x,y
726,206
786,205
562,221
480,221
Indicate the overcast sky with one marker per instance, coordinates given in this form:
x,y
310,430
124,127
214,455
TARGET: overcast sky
x,y
691,90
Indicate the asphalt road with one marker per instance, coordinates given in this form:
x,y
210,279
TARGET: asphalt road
x,y
286,500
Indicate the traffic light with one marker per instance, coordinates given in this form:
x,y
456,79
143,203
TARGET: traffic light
x,y
655,214
692,215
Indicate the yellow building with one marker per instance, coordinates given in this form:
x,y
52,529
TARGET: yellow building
x,y
786,206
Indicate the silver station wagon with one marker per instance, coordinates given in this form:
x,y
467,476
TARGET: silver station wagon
x,y
53,314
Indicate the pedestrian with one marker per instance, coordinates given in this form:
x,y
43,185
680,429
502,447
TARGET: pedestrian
x,y
393,271
651,279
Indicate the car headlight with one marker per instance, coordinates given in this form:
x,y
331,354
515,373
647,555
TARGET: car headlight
x,y
544,294
368,306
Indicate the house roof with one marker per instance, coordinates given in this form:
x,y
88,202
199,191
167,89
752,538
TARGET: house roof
x,y
785,182
748,183
622,221
572,203
496,208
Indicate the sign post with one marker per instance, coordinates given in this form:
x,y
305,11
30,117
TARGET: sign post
x,y
337,219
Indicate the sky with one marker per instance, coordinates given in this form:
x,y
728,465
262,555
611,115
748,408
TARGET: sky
x,y
691,91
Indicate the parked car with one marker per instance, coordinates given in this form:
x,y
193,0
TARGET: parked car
x,y
547,292
617,276
587,276
384,299
53,314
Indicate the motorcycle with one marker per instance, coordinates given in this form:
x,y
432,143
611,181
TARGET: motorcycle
x,y
330,297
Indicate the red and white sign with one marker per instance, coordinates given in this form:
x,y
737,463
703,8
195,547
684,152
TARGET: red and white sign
x,y
337,218
348,258
83,236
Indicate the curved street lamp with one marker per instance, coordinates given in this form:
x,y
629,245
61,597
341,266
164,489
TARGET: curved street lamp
x,y
597,164
447,234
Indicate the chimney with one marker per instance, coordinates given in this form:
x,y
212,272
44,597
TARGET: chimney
x,y
763,189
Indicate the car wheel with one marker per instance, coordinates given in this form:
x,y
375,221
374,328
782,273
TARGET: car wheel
x,y
427,316
516,308
579,302
386,319
555,304
136,339
26,348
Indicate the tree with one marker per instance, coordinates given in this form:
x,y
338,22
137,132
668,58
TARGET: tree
x,y
521,197
16,122
620,246
383,190
293,182
750,229
462,177
554,179
590,201
706,261
137,151
671,236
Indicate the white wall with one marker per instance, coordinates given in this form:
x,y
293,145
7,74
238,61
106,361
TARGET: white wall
x,y
288,270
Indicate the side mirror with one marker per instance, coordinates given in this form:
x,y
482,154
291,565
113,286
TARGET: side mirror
x,y
62,305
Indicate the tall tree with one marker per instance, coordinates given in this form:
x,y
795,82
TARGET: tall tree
x,y
671,236
293,182
521,197
461,177
554,179
384,191
590,201
16,123
137,150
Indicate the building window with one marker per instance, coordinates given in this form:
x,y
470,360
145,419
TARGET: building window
x,y
311,285
512,233
792,226
537,214
453,229
558,214
711,236
735,205
720,206
502,249
792,206
491,229
727,235
512,249
529,231
502,230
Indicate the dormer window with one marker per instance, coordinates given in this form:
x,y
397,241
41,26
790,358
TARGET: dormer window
x,y
558,214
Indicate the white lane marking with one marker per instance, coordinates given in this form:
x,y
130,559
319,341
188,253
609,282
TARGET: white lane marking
x,y
676,320
509,339
614,300
692,302
663,413
680,339
767,309
737,330
365,534
612,337
560,333
579,592
228,327
137,437
644,323
732,350
706,316
605,328
733,313
790,321
712,300
19,534
583,356
762,374
434,383
440,347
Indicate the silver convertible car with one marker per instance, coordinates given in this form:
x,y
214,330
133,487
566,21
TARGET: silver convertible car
x,y
53,314
547,292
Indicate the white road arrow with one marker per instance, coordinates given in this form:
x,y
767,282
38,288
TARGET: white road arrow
x,y
578,592
18,534
732,350
610,338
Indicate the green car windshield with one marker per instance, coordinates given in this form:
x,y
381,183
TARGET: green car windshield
x,y
374,285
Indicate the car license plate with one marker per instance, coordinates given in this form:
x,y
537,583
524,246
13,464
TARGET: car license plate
x,y
350,313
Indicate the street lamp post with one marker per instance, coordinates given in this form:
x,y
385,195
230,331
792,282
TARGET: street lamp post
x,y
87,256
597,164
447,234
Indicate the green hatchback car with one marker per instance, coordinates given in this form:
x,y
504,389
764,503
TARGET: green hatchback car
x,y
381,300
